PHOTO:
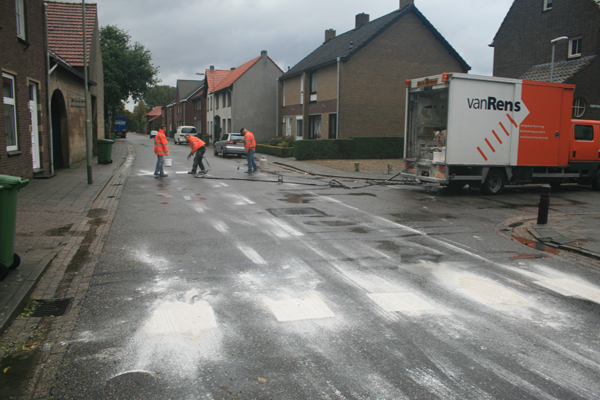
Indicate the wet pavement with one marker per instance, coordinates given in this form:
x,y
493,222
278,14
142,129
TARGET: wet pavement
x,y
58,217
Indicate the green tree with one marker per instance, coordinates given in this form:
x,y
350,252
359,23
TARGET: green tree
x,y
159,95
128,70
136,120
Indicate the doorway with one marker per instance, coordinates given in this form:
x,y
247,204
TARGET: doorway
x,y
60,147
35,134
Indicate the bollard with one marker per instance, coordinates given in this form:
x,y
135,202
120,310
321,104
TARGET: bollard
x,y
356,167
390,168
544,205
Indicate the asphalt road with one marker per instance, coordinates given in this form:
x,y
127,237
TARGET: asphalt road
x,y
240,285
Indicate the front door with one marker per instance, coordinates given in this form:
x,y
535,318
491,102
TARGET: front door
x,y
35,138
314,128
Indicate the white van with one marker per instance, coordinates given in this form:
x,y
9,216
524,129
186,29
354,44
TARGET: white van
x,y
179,137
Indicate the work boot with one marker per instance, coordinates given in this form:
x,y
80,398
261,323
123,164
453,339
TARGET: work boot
x,y
191,172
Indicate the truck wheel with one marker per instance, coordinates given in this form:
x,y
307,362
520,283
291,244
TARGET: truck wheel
x,y
596,181
494,182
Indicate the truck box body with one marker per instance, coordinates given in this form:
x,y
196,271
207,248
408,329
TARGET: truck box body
x,y
459,127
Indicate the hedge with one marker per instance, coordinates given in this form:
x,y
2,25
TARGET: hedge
x,y
275,150
353,148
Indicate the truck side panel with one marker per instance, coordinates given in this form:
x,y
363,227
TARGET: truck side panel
x,y
484,116
544,133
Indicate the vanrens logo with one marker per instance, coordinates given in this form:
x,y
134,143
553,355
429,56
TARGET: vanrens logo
x,y
491,103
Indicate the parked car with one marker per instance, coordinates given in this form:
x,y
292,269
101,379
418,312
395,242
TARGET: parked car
x,y
230,143
153,133
179,137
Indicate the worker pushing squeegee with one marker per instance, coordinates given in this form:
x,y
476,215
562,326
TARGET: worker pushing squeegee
x,y
198,149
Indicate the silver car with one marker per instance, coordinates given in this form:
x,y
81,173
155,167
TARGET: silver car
x,y
153,133
230,143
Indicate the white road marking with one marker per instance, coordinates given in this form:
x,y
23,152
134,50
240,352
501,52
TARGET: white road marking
x,y
252,254
307,306
403,302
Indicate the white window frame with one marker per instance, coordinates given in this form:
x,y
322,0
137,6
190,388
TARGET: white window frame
x,y
299,124
579,107
20,15
572,41
547,5
302,89
313,86
10,102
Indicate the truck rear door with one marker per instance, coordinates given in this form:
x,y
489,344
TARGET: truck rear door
x,y
585,141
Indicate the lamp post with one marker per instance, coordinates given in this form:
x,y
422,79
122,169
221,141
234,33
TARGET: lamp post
x,y
88,135
553,41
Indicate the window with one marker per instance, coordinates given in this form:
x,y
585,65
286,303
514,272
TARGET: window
x,y
332,126
314,127
216,101
302,89
10,115
20,14
578,107
228,99
313,86
547,5
584,132
299,128
229,124
575,47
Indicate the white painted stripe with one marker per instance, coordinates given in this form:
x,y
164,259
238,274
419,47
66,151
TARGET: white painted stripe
x,y
221,226
403,302
306,306
252,254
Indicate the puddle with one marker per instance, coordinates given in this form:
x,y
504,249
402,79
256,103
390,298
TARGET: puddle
x,y
20,370
62,231
535,245
417,217
360,229
362,194
388,245
330,223
298,198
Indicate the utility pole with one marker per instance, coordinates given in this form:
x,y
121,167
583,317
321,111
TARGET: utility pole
x,y
88,134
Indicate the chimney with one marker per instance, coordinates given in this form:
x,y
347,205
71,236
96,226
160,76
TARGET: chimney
x,y
212,68
263,53
404,3
362,19
329,34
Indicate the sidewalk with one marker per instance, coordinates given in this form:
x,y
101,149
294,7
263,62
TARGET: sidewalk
x,y
50,213
53,215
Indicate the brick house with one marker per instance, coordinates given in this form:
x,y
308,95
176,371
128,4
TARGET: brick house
x,y
168,116
198,102
154,119
66,80
25,141
184,107
353,84
523,48
245,96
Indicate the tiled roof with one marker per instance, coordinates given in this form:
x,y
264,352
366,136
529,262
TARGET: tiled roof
x,y
563,70
65,29
156,111
186,88
215,77
346,44
235,74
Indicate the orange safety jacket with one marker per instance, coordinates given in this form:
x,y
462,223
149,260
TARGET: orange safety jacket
x,y
196,143
249,142
161,146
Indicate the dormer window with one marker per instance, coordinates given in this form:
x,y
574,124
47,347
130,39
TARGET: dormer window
x,y
575,47
547,5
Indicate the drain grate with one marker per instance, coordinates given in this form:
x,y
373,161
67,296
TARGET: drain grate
x,y
46,308
296,212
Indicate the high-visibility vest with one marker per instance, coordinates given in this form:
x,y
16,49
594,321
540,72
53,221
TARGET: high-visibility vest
x,y
249,142
195,143
161,146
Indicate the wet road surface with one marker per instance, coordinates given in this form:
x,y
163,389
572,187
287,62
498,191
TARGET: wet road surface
x,y
211,288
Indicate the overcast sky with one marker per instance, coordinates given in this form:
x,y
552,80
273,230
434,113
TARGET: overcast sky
x,y
188,36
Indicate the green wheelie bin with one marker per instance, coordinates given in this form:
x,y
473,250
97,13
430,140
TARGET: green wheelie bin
x,y
105,151
9,186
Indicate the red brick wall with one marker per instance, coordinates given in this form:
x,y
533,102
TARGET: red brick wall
x,y
25,60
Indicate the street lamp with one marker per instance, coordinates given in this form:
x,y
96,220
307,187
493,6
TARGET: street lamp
x,y
553,41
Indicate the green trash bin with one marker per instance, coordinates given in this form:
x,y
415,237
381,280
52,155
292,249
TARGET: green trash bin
x,y
105,151
9,186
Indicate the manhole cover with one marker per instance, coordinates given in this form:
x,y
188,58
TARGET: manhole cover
x,y
296,212
46,308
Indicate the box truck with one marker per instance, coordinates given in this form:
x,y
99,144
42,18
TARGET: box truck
x,y
488,132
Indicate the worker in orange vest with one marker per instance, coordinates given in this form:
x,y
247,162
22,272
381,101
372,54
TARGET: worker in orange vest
x,y
161,149
250,147
198,149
